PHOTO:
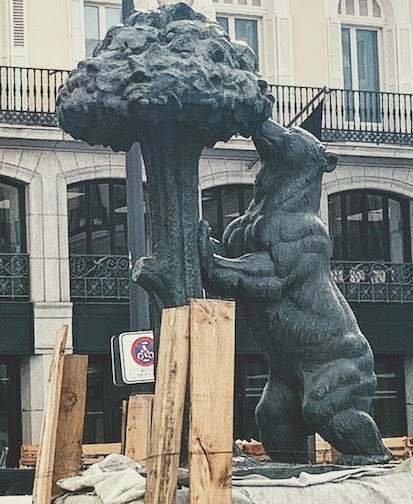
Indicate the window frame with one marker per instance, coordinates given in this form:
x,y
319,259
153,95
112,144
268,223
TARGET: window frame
x,y
102,26
217,195
21,201
395,361
231,31
405,212
354,57
88,215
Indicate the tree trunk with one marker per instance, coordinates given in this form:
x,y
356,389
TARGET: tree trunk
x,y
171,153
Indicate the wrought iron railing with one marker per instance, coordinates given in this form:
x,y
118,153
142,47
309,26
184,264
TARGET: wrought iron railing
x,y
358,116
28,95
374,282
99,276
14,276
107,277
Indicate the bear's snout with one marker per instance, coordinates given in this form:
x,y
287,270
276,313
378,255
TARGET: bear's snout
x,y
266,138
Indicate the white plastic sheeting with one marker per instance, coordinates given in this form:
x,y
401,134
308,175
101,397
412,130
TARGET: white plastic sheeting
x,y
117,481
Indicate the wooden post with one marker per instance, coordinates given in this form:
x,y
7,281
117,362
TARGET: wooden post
x,y
42,488
125,403
212,355
171,375
138,427
68,451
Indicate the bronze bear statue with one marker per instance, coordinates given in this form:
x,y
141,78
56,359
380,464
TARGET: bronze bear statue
x,y
275,261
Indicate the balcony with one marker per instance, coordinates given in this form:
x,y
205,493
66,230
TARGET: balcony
x,y
14,276
350,116
95,277
374,282
28,97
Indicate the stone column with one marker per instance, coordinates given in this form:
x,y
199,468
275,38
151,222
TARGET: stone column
x,y
49,279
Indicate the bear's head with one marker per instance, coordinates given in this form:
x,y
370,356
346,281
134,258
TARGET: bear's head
x,y
293,149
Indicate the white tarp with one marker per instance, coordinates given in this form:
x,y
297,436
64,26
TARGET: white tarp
x,y
116,481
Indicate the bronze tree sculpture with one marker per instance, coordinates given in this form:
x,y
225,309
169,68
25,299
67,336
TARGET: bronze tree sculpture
x,y
173,81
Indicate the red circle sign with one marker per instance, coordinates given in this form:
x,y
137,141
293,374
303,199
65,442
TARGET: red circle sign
x,y
143,351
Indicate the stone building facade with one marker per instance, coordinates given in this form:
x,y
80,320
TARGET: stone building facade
x,y
63,253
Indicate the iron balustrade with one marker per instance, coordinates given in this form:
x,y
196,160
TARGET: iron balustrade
x,y
14,276
353,116
99,276
373,282
107,277
28,95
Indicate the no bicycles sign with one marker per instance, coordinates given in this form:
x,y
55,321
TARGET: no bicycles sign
x,y
133,353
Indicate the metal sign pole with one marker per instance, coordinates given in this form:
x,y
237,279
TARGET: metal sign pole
x,y
138,299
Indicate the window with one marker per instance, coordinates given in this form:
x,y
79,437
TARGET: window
x,y
98,218
245,29
388,407
12,218
360,39
223,204
252,375
360,8
103,415
368,226
98,19
10,409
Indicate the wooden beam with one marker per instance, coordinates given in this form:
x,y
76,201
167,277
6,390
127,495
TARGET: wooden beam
x,y
171,375
212,356
68,458
125,403
138,427
42,488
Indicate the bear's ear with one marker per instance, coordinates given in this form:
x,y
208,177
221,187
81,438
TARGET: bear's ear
x,y
332,160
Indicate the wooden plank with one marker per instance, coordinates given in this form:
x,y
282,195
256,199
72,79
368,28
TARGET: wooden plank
x,y
101,448
91,453
168,405
138,427
42,488
68,458
212,356
123,426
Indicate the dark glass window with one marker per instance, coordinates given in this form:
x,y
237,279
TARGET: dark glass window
x,y
252,375
98,218
388,408
10,410
368,226
223,204
103,416
12,218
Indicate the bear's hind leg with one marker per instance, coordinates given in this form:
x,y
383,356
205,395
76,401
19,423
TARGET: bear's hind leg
x,y
355,434
335,404
278,416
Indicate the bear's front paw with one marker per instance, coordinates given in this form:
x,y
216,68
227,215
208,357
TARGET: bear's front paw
x,y
205,246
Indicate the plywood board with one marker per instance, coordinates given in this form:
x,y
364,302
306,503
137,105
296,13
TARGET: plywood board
x,y
212,357
68,457
42,488
138,427
171,375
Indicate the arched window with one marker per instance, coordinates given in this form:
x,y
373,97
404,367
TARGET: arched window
x,y
223,204
12,217
98,217
369,226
